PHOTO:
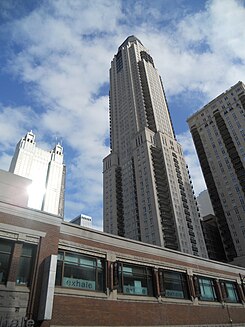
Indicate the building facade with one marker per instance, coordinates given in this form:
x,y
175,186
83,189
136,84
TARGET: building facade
x,y
148,194
204,204
46,169
218,131
55,273
82,220
212,238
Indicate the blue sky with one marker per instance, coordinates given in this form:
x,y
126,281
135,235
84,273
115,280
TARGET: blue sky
x,y
54,63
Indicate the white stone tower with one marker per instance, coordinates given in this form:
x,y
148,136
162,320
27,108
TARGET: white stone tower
x,y
47,172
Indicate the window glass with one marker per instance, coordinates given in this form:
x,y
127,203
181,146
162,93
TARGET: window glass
x,y
135,280
207,290
79,271
6,248
231,292
174,284
26,264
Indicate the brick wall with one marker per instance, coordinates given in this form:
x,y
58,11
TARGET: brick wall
x,y
73,311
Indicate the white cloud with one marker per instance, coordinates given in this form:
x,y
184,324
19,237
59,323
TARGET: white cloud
x,y
204,52
63,54
13,123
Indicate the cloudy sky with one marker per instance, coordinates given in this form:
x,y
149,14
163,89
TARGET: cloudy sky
x,y
54,62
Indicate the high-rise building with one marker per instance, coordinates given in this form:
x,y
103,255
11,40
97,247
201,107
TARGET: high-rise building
x,y
47,172
218,131
147,189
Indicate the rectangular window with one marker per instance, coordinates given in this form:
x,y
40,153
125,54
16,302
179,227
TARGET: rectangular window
x,y
26,264
230,291
135,280
173,284
80,271
206,289
6,249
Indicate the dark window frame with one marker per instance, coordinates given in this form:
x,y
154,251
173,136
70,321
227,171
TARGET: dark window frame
x,y
206,284
132,272
226,290
173,284
27,273
95,266
4,271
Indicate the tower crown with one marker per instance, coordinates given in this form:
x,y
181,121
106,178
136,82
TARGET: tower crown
x,y
29,137
129,39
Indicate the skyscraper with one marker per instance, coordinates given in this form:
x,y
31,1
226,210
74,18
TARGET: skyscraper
x,y
47,172
147,189
218,131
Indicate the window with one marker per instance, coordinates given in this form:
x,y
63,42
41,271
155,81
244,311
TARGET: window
x,y
205,289
26,264
80,271
229,291
135,280
173,284
6,248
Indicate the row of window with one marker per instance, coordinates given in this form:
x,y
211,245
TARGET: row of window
x,y
88,273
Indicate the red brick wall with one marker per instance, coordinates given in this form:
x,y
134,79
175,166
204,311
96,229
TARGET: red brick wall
x,y
71,311
48,245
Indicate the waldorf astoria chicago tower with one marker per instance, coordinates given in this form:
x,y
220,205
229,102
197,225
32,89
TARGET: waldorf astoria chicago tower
x,y
148,193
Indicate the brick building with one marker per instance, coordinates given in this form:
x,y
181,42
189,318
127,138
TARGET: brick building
x,y
55,273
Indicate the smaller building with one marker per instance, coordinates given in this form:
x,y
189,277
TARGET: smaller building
x,y
46,170
82,220
204,204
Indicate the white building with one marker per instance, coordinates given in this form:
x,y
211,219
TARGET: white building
x,y
47,172
218,131
82,220
148,194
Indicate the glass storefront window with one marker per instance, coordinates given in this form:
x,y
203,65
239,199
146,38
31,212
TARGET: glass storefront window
x,y
206,289
174,284
79,271
135,280
6,249
26,264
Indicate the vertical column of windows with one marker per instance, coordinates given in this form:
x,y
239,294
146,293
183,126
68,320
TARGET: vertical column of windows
x,y
164,200
214,196
231,149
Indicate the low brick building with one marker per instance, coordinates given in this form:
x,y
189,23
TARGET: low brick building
x,y
54,273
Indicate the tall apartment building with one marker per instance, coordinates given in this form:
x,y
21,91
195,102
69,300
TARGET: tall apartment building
x,y
218,131
147,188
47,172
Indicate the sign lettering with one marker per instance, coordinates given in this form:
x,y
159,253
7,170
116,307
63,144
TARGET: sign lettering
x,y
78,283
23,322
